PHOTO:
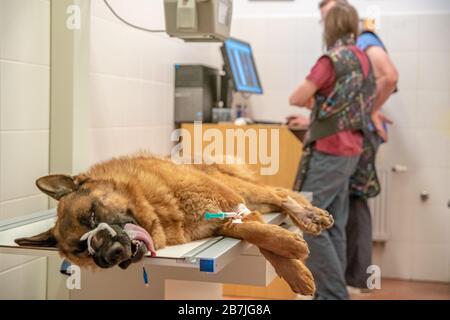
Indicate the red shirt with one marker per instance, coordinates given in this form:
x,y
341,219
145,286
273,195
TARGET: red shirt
x,y
344,143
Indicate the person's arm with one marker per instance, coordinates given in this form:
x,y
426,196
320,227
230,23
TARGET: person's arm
x,y
386,75
321,75
303,95
387,78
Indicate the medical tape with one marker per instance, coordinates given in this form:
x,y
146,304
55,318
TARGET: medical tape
x,y
91,234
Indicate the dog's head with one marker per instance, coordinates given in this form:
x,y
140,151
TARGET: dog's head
x,y
83,205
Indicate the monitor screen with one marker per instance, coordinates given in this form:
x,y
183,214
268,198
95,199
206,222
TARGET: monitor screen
x,y
240,63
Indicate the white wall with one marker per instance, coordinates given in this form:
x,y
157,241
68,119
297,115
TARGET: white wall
x,y
24,131
246,8
420,139
132,79
286,41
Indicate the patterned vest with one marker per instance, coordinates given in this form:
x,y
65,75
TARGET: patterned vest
x,y
348,107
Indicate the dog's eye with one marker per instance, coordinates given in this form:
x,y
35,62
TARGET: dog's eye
x,y
92,220
81,247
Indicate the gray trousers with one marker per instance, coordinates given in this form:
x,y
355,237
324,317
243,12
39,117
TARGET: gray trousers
x,y
359,242
328,178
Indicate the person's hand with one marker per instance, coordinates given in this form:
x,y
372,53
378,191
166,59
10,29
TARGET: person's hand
x,y
297,121
378,120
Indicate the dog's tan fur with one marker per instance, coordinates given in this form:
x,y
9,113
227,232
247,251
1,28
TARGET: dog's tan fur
x,y
170,201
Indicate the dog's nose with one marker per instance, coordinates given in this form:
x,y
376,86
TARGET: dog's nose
x,y
115,253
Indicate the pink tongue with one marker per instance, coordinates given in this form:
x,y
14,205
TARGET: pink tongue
x,y
142,235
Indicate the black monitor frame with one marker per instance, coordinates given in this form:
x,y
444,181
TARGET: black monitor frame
x,y
229,72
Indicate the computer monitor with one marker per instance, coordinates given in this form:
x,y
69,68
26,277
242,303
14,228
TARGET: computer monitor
x,y
240,64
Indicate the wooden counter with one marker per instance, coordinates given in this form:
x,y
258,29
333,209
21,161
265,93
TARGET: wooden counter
x,y
289,148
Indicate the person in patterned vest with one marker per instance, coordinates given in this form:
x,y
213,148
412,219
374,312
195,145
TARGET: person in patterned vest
x,y
359,225
342,85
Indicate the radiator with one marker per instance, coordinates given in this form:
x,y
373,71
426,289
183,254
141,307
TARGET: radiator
x,y
379,209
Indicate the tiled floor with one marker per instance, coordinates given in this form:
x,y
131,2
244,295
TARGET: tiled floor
x,y
400,290
407,290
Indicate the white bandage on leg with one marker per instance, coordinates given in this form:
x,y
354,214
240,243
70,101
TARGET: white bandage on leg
x,y
241,211
89,235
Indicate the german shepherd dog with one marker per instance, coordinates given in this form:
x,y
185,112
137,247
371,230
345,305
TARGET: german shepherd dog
x,y
150,202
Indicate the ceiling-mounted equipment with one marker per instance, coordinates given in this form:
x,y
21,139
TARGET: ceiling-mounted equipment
x,y
198,20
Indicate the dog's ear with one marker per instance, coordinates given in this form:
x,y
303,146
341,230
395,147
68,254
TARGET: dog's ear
x,y
44,239
57,186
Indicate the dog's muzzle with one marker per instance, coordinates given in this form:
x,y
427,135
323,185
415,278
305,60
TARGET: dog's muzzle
x,y
112,245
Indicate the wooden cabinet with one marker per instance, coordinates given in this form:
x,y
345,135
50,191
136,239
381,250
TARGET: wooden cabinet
x,y
287,150
279,140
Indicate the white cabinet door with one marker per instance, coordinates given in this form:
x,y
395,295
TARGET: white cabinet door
x,y
26,281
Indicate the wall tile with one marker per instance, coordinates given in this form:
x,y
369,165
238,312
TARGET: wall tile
x,y
157,104
24,99
401,149
433,110
400,215
25,31
447,175
430,149
393,259
114,49
400,206
309,36
147,14
402,109
108,143
433,180
23,159
277,72
164,144
114,100
23,206
282,35
155,140
400,33
105,144
252,30
430,262
430,224
431,75
433,33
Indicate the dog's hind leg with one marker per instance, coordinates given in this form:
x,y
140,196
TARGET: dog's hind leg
x,y
267,199
285,250
267,236
293,271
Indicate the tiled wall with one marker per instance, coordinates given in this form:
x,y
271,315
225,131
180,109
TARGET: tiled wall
x,y
250,8
24,104
132,79
287,47
24,130
420,139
